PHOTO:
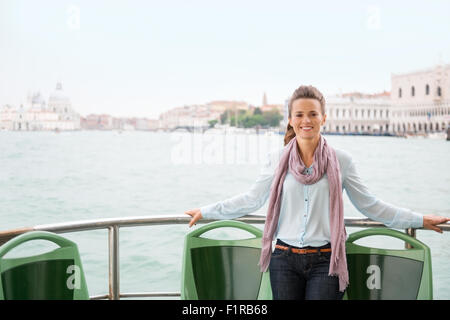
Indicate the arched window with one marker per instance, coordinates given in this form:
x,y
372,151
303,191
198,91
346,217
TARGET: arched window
x,y
399,92
412,91
427,89
439,91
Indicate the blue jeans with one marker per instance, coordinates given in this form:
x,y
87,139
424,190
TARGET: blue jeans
x,y
296,276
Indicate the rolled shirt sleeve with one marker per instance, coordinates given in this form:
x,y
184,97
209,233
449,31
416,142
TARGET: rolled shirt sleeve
x,y
376,209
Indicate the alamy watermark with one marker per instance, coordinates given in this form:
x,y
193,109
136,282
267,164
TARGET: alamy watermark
x,y
73,18
373,18
225,148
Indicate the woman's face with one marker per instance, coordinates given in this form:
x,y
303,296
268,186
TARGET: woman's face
x,y
306,118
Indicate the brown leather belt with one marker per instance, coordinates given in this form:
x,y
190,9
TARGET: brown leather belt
x,y
302,251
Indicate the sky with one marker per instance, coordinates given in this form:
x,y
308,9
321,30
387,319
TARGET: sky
x,y
142,58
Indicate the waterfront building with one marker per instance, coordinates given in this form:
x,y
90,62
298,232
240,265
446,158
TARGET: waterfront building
x,y
7,117
198,115
59,103
358,113
421,100
36,115
97,122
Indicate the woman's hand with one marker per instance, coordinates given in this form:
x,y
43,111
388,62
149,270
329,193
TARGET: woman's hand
x,y
430,221
195,214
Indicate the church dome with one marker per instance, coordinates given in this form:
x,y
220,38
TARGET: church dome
x,y
37,99
58,96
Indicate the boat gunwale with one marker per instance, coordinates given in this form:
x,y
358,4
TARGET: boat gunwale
x,y
114,224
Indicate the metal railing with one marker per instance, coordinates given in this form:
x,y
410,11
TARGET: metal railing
x,y
113,226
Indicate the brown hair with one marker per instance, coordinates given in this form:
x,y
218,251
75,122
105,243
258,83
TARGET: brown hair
x,y
306,92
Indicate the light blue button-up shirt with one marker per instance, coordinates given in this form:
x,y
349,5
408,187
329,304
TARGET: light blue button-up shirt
x,y
304,213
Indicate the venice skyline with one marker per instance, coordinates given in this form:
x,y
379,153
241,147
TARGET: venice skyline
x,y
153,57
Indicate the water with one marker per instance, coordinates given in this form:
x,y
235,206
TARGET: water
x,y
48,178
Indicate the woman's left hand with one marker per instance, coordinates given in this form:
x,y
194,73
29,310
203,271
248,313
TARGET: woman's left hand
x,y
430,221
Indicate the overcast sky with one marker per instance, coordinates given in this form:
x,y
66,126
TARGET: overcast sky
x,y
141,58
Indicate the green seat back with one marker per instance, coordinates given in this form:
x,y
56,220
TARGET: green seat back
x,y
388,274
223,269
57,274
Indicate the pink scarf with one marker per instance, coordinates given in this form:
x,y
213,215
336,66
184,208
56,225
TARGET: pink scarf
x,y
325,161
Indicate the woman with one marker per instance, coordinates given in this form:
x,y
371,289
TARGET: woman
x,y
304,181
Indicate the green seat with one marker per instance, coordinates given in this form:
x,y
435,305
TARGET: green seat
x,y
223,269
57,274
388,274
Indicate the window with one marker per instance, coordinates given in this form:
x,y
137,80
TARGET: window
x,y
427,89
412,91
439,91
400,92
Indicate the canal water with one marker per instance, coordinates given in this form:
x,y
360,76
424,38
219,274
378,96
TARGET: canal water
x,y
48,177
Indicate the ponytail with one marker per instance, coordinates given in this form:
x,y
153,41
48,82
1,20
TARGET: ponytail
x,y
290,134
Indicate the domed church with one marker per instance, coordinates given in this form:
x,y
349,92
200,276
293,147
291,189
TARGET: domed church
x,y
59,103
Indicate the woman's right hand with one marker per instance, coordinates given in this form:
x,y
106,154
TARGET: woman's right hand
x,y
195,214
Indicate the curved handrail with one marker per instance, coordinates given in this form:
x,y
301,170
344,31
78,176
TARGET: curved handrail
x,y
105,223
37,235
224,224
385,232
113,225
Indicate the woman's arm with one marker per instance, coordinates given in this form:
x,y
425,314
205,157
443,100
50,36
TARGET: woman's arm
x,y
390,215
244,203
375,209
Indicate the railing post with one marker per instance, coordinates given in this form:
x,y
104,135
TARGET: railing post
x,y
114,276
412,233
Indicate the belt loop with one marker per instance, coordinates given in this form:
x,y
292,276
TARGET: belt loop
x,y
289,250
